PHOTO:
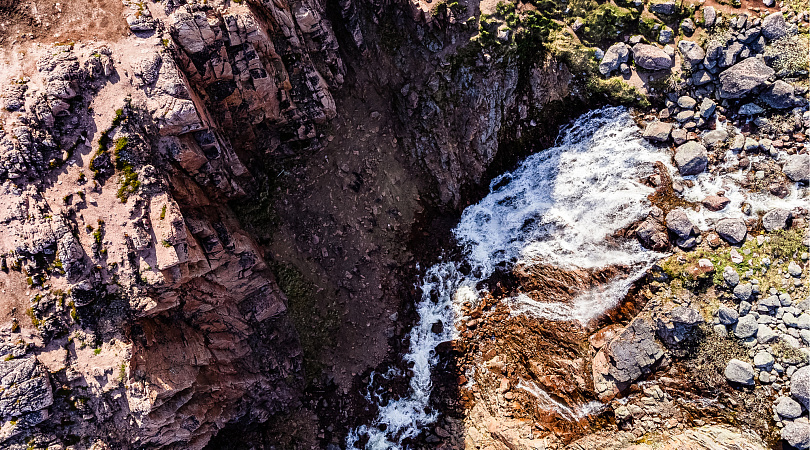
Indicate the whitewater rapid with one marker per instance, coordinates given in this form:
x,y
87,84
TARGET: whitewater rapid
x,y
556,208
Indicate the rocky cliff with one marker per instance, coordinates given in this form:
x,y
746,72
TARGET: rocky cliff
x,y
213,210
143,311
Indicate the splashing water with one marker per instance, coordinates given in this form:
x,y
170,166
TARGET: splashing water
x,y
558,207
548,403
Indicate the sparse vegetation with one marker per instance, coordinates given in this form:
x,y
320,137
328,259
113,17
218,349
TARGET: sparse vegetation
x,y
788,56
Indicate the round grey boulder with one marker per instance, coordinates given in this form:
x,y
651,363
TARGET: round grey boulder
x,y
744,77
743,291
691,158
780,95
727,316
651,57
731,277
800,386
774,26
797,435
797,167
763,360
739,372
732,230
788,408
746,326
776,219
679,223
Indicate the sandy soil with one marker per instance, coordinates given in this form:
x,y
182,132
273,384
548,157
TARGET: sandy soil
x,y
47,22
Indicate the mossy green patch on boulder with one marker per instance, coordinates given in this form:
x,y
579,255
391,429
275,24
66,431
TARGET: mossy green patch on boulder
x,y
607,22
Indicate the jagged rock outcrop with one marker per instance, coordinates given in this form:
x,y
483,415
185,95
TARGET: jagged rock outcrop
x,y
631,354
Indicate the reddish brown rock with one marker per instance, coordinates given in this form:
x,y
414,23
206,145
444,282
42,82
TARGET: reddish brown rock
x,y
715,202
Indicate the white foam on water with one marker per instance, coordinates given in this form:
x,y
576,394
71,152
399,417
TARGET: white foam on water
x,y
548,403
559,207
586,306
560,204
707,184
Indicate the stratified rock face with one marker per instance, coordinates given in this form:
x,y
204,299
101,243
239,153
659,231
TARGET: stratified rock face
x,y
117,165
242,73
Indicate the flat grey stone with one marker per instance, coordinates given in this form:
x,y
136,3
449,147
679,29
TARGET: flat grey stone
x,y
744,78
732,230
727,316
691,158
746,327
739,372
797,167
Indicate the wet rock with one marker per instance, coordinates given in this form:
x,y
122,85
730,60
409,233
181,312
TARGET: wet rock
x,y
676,326
679,136
744,78
727,316
715,202
776,219
692,53
731,277
652,233
739,372
780,95
788,408
774,26
732,230
685,116
657,131
751,145
651,57
615,55
797,434
715,137
746,326
691,158
678,222
797,167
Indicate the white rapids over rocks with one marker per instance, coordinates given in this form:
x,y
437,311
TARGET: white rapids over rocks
x,y
556,208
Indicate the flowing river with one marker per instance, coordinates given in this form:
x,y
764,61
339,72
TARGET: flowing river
x,y
559,207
